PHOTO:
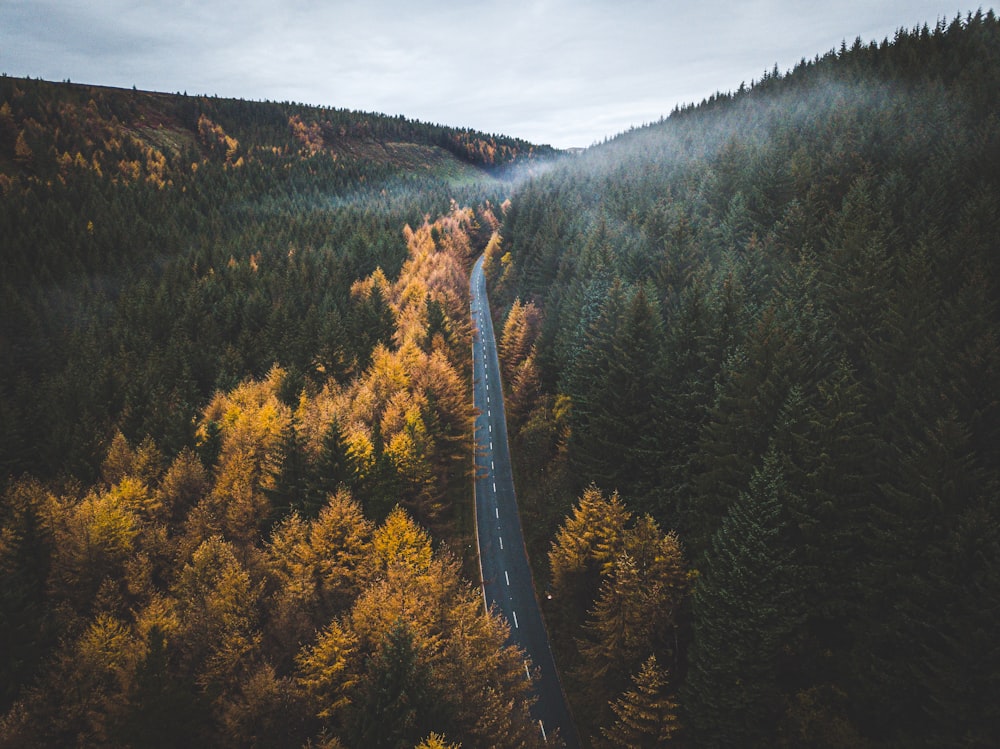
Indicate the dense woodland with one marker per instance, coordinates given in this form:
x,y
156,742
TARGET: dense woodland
x,y
765,331
235,413
752,375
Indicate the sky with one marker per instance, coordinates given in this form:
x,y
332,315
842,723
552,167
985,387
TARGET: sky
x,y
561,72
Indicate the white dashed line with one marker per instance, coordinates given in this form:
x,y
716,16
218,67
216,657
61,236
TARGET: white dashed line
x,y
506,577
501,542
514,614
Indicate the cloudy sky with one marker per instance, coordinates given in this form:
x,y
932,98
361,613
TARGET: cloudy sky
x,y
564,72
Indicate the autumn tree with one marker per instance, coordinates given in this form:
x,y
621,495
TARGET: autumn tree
x,y
646,715
585,549
217,609
629,580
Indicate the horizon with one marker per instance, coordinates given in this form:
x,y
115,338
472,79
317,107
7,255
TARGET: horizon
x,y
558,73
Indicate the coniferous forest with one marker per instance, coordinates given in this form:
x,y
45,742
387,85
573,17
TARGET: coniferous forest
x,y
752,370
768,324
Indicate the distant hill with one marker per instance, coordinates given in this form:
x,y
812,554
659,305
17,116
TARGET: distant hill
x,y
45,126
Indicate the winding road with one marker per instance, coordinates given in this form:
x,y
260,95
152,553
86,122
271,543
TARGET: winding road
x,y
506,576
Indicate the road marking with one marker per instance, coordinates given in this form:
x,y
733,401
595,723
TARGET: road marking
x,y
489,412
514,613
506,577
501,542
544,737
526,671
491,445
492,467
491,428
498,512
494,487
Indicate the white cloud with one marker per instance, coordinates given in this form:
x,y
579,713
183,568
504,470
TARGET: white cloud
x,y
554,71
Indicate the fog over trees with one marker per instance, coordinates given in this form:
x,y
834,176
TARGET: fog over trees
x,y
751,369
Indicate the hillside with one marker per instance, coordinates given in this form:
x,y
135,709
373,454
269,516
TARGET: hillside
x,y
769,323
122,209
752,371
234,399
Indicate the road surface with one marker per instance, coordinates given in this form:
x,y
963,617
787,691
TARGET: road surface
x,y
507,582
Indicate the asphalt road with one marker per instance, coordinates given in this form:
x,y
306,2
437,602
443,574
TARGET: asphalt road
x,y
507,582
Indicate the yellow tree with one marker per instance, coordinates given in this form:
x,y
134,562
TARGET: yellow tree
x,y
646,715
479,681
316,570
617,631
217,611
585,549
436,741
183,485
251,422
519,333
328,670
93,541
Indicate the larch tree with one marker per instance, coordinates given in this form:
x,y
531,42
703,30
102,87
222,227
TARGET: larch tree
x,y
646,714
585,548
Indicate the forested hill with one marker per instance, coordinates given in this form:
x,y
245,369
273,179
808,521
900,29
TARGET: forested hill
x,y
235,426
769,323
43,122
130,222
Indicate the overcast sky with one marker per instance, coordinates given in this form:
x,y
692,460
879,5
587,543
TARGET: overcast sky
x,y
551,71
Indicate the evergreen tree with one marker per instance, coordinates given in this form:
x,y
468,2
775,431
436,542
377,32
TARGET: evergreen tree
x,y
394,705
334,468
158,698
288,489
745,608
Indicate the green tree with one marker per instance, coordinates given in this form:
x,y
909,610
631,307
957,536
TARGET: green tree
x,y
745,606
394,704
159,696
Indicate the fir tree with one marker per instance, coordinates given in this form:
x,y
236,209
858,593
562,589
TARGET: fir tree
x,y
395,704
745,607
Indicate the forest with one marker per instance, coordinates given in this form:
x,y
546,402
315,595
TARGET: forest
x,y
235,407
764,331
751,367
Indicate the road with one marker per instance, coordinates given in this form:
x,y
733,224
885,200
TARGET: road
x,y
507,582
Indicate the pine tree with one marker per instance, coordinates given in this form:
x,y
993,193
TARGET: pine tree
x,y
288,490
585,549
617,631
